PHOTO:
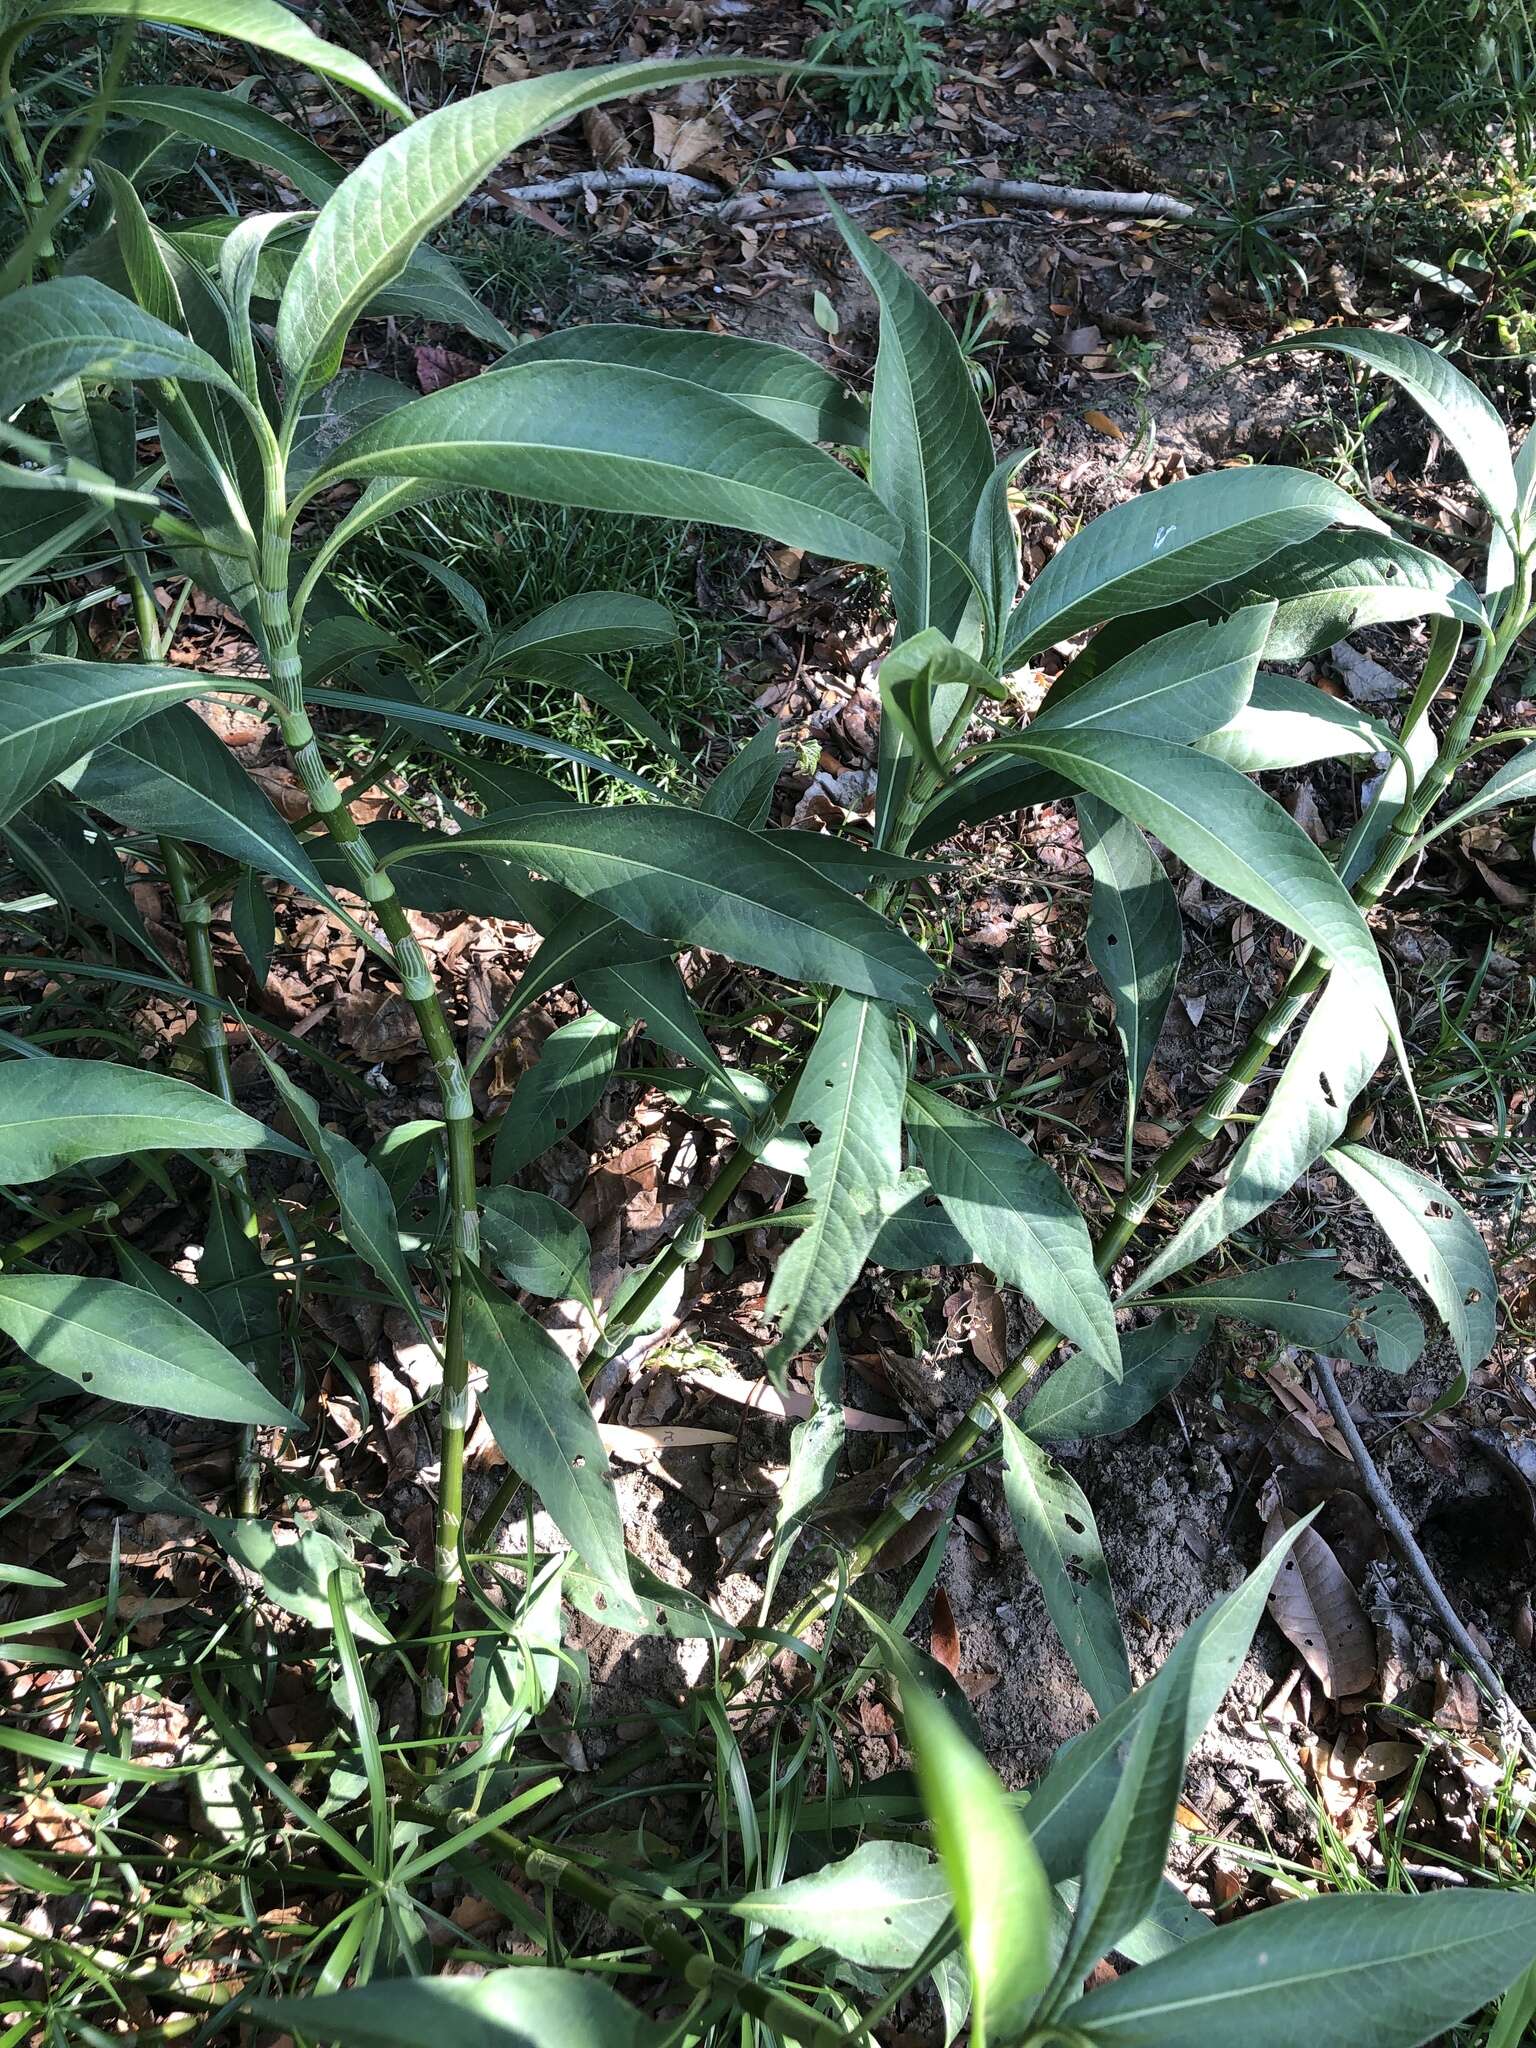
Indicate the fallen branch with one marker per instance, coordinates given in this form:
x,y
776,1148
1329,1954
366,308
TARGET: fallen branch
x,y
750,205
1406,1543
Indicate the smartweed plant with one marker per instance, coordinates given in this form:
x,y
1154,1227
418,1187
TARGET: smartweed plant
x,y
175,403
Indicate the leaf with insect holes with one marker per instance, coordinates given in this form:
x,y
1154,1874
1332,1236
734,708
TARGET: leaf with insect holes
x,y
1450,401
1172,543
1228,830
613,439
879,1907
58,1113
695,880
53,713
262,23
538,1414
226,124
1318,1611
1332,1972
528,2007
1060,1540
1436,1240
780,383
1017,1218
1078,1401
1001,1894
74,327
558,1092
1135,936
1306,1302
375,218
851,1090
1340,1046
122,1343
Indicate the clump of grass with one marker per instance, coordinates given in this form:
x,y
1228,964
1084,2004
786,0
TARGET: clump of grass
x,y
526,276
523,557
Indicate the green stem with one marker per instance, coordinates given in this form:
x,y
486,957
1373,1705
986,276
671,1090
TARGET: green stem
x,y
377,890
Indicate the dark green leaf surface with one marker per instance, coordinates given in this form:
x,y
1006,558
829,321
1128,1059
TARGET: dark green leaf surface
x,y
1060,1540
527,2007
1307,1303
535,1244
1017,1218
122,1343
52,713
558,1092
1135,936
75,327
1436,1240
77,866
1078,1401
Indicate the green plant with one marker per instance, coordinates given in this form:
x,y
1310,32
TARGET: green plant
x,y
271,463
887,40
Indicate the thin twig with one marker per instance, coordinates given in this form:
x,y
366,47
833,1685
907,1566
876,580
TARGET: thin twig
x,y
1396,1525
748,205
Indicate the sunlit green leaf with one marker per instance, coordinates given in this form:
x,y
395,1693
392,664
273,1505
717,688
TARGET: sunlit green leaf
x,y
1060,1540
56,1113
1306,1302
881,1906
528,2007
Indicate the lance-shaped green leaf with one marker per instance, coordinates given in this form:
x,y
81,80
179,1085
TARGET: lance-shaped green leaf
x,y
996,787
1068,1804
1337,584
74,327
237,130
1179,686
1451,402
852,1091
400,191
558,1092
538,1414
614,439
1341,1045
924,672
57,1113
1078,1401
327,419
295,1576
123,1343
362,1193
694,880
254,924
879,1907
1306,1302
930,461
596,622
994,548
814,1448
1228,830
652,993
1510,783
780,383
1017,1218
1436,1240
1061,1546
262,23
930,451
1135,937
1290,724
240,1290
743,790
173,774
1333,1972
74,862
536,1244
1171,544
1001,1894
507,2009
52,713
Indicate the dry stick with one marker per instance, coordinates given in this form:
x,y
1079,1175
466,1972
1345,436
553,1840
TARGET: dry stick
x,y
1395,1523
744,205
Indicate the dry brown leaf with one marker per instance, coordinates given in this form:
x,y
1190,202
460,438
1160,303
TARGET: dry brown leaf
x,y
606,139
688,145
944,1637
1316,1609
1103,424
